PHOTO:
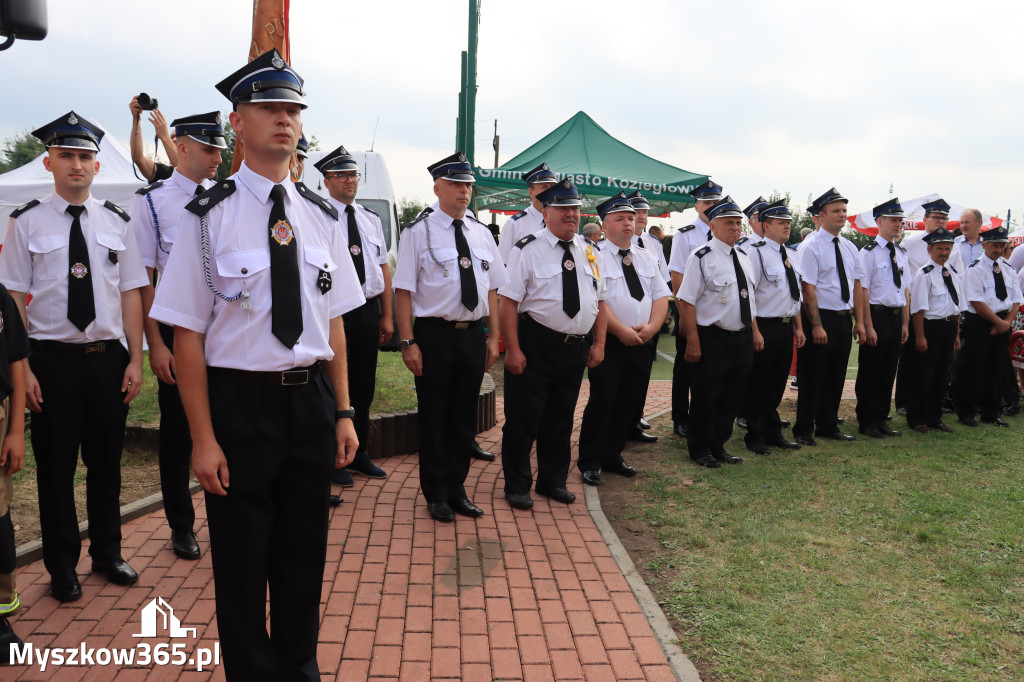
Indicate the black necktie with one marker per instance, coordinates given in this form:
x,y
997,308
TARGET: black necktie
x,y
636,290
199,190
570,289
1000,283
81,305
844,284
355,244
709,235
950,286
741,285
469,294
896,279
640,242
794,287
286,302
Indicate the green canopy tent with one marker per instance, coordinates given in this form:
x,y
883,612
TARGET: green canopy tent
x,y
600,166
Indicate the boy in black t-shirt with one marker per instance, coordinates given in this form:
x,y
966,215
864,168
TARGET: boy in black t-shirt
x,y
14,349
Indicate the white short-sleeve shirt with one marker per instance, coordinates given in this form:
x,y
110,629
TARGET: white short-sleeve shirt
x,y
627,309
374,251
711,286
518,226
156,213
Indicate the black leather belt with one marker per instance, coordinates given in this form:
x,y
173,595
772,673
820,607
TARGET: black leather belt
x,y
886,309
722,330
947,318
94,348
297,376
840,313
561,336
451,324
783,320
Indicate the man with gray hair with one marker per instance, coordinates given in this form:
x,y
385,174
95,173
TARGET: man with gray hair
x,y
592,233
969,241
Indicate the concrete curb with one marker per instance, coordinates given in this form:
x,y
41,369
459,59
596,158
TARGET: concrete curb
x,y
681,665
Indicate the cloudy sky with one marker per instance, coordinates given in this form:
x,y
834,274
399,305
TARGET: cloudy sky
x,y
791,95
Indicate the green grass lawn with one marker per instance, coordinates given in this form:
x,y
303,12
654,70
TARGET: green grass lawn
x,y
900,559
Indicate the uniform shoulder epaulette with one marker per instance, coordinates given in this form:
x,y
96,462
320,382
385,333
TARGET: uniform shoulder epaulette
x,y
702,251
150,187
741,251
928,268
791,247
370,210
743,240
519,215
687,228
525,240
202,204
24,207
758,244
423,214
976,261
120,212
325,206
954,270
870,246
900,247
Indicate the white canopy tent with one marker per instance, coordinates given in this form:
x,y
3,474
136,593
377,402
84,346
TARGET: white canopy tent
x,y
116,181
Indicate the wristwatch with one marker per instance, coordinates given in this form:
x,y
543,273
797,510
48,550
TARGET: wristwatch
x,y
408,342
350,413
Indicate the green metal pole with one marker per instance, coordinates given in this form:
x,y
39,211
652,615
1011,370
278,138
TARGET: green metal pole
x,y
469,126
460,130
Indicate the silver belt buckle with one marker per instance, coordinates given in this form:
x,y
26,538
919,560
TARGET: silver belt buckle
x,y
95,348
295,377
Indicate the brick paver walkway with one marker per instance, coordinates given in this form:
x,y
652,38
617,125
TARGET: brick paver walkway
x,y
510,596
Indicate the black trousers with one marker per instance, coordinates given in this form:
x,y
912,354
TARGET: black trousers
x,y
271,527
539,406
175,451
821,373
361,328
641,400
927,374
876,367
979,372
767,382
718,381
680,382
904,385
83,407
447,392
617,383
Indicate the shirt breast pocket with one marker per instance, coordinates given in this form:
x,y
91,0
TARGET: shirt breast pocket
x,y
482,262
246,271
318,261
112,248
49,256
447,258
774,274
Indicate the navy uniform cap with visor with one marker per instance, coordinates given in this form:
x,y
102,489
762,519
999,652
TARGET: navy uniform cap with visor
x,y
455,168
70,131
709,191
302,148
206,128
563,193
337,161
639,201
268,78
539,174
829,197
724,208
755,207
997,235
937,206
890,209
615,204
814,209
939,236
777,210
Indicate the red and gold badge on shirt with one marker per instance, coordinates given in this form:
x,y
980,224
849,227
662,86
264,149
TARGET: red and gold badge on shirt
x,y
78,270
282,233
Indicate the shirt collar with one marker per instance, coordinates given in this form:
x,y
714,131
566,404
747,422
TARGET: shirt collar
x,y
186,185
720,245
259,185
882,241
60,204
446,220
340,205
535,213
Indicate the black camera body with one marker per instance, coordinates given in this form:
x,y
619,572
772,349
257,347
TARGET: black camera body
x,y
148,103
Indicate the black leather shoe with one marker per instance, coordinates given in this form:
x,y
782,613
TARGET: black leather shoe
x,y
806,440
838,435
117,571
922,428
559,495
366,468
781,442
741,422
759,449
7,638
622,469
342,477
640,435
466,508
643,424
726,458
65,586
998,421
440,511
592,477
680,430
840,420
941,426
870,431
479,453
886,431
184,544
707,461
784,423
334,500
968,421
1011,410
519,500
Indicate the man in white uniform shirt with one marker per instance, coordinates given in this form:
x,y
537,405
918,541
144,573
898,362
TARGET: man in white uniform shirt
x,y
532,219
936,300
156,212
636,306
256,288
969,242
718,314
